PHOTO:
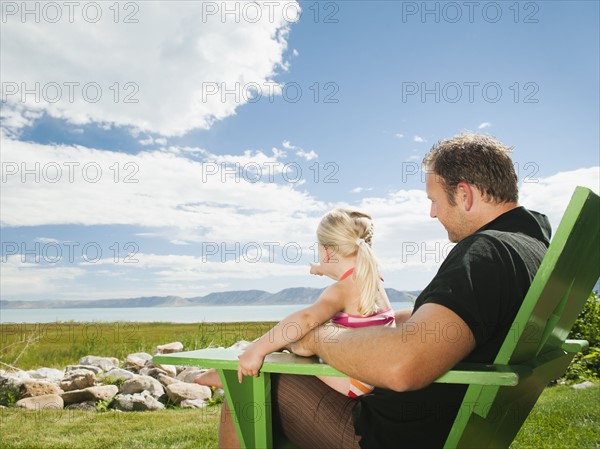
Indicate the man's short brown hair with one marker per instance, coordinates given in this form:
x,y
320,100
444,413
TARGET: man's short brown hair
x,y
479,160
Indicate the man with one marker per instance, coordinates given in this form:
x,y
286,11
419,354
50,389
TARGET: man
x,y
464,314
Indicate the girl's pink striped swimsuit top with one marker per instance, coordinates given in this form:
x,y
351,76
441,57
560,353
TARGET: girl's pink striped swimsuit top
x,y
377,319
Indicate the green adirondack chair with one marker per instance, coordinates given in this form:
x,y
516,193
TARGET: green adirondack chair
x,y
500,396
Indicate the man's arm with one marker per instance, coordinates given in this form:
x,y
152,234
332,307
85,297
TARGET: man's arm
x,y
407,357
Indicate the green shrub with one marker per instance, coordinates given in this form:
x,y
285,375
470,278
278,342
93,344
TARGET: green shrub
x,y
9,393
113,380
586,365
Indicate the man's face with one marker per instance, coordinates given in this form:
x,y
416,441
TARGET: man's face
x,y
449,216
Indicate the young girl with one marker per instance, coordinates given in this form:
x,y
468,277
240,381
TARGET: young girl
x,y
357,299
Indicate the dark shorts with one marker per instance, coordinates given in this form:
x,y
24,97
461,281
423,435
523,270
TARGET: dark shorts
x,y
311,414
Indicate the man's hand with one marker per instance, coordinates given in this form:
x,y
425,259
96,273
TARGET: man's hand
x,y
303,347
326,333
403,358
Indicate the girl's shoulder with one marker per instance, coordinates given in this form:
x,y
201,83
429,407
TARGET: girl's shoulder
x,y
333,296
347,293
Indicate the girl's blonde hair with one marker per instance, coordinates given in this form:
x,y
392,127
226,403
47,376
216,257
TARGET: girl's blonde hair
x,y
349,232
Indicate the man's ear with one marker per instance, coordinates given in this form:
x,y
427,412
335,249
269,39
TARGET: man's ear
x,y
465,195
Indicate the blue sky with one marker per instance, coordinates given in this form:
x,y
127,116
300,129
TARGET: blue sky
x,y
138,157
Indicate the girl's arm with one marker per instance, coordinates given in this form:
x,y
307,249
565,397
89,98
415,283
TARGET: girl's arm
x,y
402,316
290,329
317,269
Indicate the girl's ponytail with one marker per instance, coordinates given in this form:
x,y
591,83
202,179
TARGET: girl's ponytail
x,y
350,232
366,273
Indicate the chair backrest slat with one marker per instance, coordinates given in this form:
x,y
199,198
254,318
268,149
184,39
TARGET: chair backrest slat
x,y
562,284
557,295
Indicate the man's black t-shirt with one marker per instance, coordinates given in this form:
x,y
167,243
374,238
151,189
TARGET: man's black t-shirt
x,y
483,280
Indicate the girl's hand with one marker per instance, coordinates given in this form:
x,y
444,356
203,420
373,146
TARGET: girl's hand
x,y
249,364
315,268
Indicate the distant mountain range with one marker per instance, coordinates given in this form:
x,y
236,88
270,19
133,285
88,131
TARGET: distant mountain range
x,y
299,295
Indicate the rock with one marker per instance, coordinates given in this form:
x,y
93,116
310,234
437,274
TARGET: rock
x,y
49,374
78,380
47,402
103,392
32,388
98,393
152,372
117,374
94,369
16,378
219,393
143,383
138,402
583,385
166,380
180,391
137,360
189,374
75,396
170,370
87,406
169,348
193,403
106,363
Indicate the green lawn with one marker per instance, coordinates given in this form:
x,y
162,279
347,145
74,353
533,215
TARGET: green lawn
x,y
562,418
56,345
86,430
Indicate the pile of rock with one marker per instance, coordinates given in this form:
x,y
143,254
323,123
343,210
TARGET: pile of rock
x,y
140,385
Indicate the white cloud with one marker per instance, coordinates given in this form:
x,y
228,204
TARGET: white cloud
x,y
177,268
185,201
46,240
399,136
484,125
27,278
308,155
164,74
278,154
551,195
148,141
15,117
419,139
295,52
189,199
411,245
361,189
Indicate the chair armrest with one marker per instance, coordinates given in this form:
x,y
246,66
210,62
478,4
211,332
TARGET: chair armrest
x,y
286,363
575,345
484,374
277,362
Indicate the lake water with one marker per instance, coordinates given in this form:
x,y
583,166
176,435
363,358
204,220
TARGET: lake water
x,y
213,314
